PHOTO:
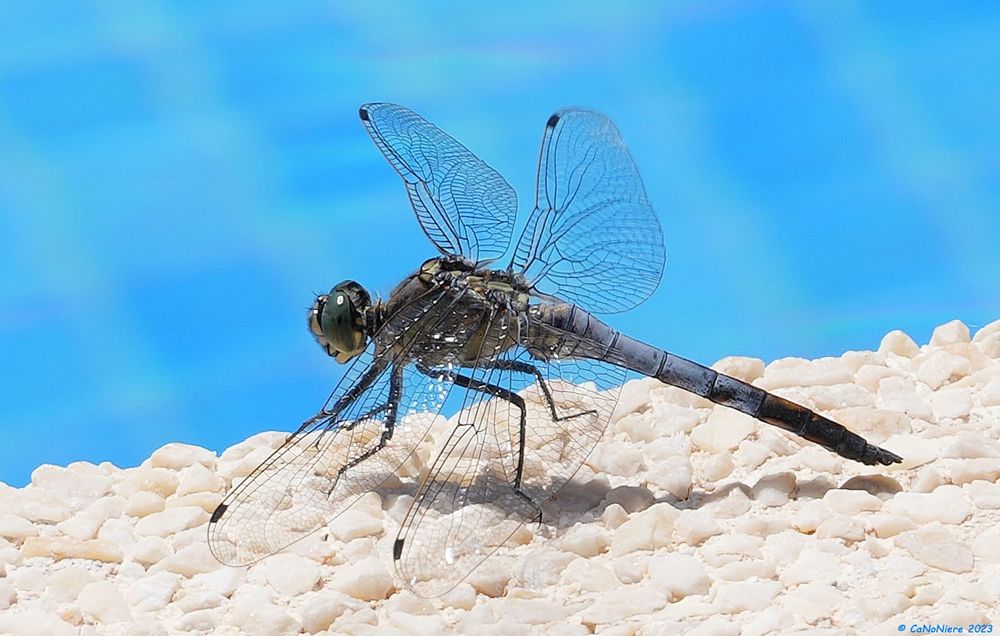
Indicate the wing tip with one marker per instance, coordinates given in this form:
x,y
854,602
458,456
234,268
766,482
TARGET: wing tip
x,y
553,120
397,549
218,512
363,113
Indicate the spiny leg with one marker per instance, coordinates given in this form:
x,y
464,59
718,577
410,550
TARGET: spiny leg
x,y
524,367
518,401
391,409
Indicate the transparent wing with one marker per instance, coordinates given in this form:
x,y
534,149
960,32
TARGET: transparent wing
x,y
593,238
328,463
464,206
477,493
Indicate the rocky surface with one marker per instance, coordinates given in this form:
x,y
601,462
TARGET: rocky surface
x,y
696,519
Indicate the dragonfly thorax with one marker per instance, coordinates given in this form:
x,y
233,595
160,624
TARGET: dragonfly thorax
x,y
338,320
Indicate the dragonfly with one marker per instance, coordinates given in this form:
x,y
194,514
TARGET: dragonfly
x,y
505,329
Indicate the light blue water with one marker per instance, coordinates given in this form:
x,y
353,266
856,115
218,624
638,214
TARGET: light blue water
x,y
177,178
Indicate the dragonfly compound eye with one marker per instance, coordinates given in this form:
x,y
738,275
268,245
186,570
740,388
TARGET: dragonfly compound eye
x,y
341,319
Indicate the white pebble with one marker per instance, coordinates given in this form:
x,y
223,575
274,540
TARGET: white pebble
x,y
887,525
262,619
718,467
631,498
851,502
796,372
746,369
674,475
367,580
202,620
986,545
723,431
161,481
679,575
774,490
980,468
727,548
66,584
752,596
812,566
490,578
148,550
15,527
192,559
940,366
197,478
170,521
841,527
899,343
152,593
646,530
143,502
65,548
937,547
693,527
176,456
952,402
984,495
585,540
915,451
616,458
622,604
899,394
946,504
950,333
104,601
223,580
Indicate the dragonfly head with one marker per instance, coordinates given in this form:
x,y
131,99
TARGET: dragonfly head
x,y
337,320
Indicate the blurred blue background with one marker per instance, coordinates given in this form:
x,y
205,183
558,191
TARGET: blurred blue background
x,y
178,178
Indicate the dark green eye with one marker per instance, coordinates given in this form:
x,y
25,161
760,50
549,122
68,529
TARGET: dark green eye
x,y
338,322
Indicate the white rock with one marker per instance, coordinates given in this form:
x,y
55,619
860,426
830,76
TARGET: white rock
x,y
8,595
148,550
989,394
202,620
899,343
621,604
984,495
320,609
638,427
812,566
820,460
889,525
589,575
197,478
915,451
876,425
192,600
986,545
729,502
693,527
104,601
528,611
262,619
117,532
190,560
980,468
161,481
647,530
34,621
631,498
679,575
727,548
635,395
65,584
950,333
176,456
74,487
899,394
946,504
723,431
940,366
489,579
143,502
970,445
752,454
746,369
774,490
616,458
586,540
463,595
796,372
367,580
851,502
29,578
613,516
65,548
152,593
15,527
718,467
287,574
954,403
743,570
937,547
927,479
813,601
224,581
752,596
170,521
674,475
841,527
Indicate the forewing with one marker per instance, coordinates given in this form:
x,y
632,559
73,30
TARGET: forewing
x,y
593,238
464,206
305,483
469,505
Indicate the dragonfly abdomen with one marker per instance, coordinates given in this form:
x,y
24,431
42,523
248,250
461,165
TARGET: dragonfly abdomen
x,y
598,341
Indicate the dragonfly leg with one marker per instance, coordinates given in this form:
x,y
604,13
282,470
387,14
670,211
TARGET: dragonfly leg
x,y
388,424
518,401
524,367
